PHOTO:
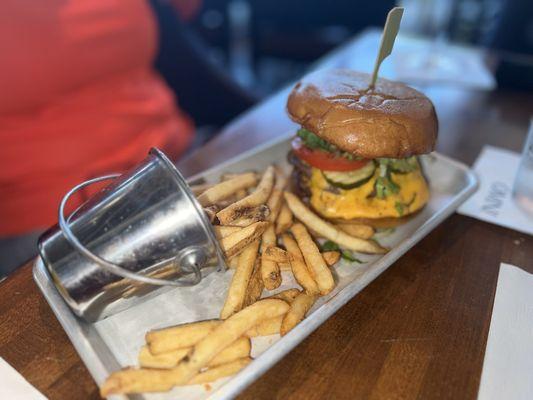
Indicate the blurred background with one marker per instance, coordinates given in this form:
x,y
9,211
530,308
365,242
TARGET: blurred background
x,y
260,46
87,86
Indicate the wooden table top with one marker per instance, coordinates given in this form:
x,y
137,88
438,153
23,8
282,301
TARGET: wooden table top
x,y
418,331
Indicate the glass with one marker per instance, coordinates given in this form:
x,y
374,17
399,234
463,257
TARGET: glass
x,y
523,184
431,19
426,55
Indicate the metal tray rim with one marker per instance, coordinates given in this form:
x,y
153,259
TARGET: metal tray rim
x,y
99,366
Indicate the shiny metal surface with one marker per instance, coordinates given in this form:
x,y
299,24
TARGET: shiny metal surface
x,y
112,267
452,184
143,231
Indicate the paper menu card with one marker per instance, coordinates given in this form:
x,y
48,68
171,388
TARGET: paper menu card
x,y
13,386
508,365
493,202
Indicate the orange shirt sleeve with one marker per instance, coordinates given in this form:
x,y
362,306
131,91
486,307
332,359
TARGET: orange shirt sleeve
x,y
83,101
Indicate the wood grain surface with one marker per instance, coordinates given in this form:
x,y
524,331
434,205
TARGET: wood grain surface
x,y
417,332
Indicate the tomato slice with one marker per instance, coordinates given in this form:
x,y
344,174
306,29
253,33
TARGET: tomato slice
x,y
323,160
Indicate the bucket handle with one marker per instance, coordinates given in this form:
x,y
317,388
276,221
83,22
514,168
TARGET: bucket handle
x,y
107,265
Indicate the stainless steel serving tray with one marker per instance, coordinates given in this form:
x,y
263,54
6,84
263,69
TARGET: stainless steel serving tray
x,y
451,184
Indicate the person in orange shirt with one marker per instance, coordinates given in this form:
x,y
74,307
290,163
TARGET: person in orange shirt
x,y
79,99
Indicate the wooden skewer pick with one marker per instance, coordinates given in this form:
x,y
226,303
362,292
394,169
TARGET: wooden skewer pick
x,y
392,26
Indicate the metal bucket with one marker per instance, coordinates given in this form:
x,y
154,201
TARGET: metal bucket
x,y
143,232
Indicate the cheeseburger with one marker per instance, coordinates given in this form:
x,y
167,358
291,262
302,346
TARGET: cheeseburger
x,y
355,155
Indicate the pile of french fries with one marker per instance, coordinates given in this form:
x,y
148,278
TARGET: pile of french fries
x,y
263,230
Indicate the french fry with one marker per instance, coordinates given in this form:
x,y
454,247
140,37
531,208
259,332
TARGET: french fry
x,y
268,327
252,315
276,254
221,371
211,213
258,197
226,189
180,336
240,194
299,268
328,230
222,231
272,326
224,203
164,360
315,234
255,287
314,260
238,349
357,230
256,214
284,220
287,295
237,289
299,307
270,272
234,243
198,189
331,257
151,380
285,266
281,180
233,262
274,204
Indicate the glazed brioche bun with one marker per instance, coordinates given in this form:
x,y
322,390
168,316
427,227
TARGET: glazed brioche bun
x,y
390,120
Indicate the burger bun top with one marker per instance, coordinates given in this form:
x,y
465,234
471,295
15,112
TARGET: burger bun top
x,y
389,120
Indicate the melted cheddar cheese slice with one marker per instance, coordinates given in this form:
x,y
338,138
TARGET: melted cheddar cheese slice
x,y
357,203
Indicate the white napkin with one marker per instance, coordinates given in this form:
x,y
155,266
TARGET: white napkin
x,y
493,202
13,386
508,365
